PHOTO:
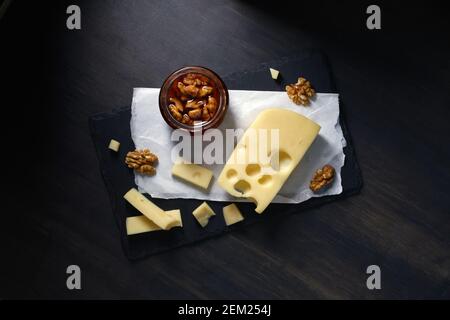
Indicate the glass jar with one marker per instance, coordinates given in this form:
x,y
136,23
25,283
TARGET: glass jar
x,y
176,84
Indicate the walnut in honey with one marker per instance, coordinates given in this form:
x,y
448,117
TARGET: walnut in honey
x,y
193,98
322,178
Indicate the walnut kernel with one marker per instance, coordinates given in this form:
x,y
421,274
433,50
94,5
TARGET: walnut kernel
x,y
300,92
322,178
142,161
192,99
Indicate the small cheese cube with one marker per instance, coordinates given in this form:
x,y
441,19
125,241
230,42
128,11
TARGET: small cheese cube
x,y
232,214
274,73
114,145
195,174
203,213
150,210
140,224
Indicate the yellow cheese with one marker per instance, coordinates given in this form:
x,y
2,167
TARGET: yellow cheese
x,y
195,174
176,213
114,145
253,179
274,73
140,224
203,213
232,214
150,210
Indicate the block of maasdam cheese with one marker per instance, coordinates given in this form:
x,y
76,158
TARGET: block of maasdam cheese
x,y
195,174
203,213
232,214
150,210
140,224
258,167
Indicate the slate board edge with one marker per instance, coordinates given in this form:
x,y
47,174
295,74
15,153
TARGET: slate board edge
x,y
108,183
311,203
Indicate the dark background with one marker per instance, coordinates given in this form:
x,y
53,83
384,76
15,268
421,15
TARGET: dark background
x,y
395,86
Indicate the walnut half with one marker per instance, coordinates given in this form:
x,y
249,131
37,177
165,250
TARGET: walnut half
x,y
142,161
322,178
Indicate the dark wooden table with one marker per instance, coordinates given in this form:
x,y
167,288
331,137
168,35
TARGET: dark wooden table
x,y
395,86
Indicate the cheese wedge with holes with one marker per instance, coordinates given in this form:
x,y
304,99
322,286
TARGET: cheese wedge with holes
x,y
150,210
203,213
192,173
231,214
261,163
140,224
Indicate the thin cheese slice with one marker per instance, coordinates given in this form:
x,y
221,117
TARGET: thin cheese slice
x,y
195,174
150,210
232,214
140,224
114,145
203,213
260,180
274,73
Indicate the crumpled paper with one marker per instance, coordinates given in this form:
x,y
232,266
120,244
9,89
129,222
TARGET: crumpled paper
x,y
149,130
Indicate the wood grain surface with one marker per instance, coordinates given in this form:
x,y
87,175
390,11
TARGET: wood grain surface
x,y
395,86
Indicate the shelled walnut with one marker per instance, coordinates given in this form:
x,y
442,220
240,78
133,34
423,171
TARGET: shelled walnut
x,y
300,92
192,98
143,161
322,178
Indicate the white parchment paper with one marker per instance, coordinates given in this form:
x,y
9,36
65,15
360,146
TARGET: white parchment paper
x,y
148,130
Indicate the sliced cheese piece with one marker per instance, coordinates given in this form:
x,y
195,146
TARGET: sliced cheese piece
x,y
195,174
203,213
176,213
140,224
150,210
260,181
114,145
274,73
232,214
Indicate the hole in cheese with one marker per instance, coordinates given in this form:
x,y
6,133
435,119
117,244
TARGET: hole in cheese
x,y
253,200
231,174
196,174
280,160
253,169
242,186
265,179
285,159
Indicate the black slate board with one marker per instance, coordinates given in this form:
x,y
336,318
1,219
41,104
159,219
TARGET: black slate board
x,y
119,179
